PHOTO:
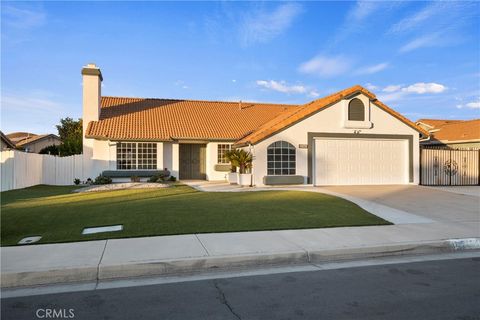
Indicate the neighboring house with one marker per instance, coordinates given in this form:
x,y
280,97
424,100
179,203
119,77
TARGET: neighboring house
x,y
30,142
6,143
452,133
346,138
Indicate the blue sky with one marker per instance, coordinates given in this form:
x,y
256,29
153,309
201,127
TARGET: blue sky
x,y
420,58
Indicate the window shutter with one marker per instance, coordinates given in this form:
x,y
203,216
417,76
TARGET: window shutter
x,y
356,110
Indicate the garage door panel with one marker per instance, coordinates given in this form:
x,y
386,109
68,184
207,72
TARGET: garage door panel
x,y
360,161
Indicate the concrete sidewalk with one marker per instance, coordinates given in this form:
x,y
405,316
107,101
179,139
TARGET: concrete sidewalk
x,y
425,221
123,258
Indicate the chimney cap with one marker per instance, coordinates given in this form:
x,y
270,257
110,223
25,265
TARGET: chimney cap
x,y
92,70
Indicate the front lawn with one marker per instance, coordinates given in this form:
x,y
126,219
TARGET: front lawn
x,y
60,216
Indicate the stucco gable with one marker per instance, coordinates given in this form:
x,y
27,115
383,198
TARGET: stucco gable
x,y
290,118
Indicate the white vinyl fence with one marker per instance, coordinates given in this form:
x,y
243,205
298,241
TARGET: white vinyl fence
x,y
22,169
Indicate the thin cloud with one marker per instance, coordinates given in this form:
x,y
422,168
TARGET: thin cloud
x,y
423,87
28,103
433,16
362,10
18,18
392,88
181,83
370,86
261,26
357,18
470,105
451,17
33,111
397,92
428,40
418,18
324,66
281,86
373,69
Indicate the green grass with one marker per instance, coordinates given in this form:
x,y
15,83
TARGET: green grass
x,y
60,216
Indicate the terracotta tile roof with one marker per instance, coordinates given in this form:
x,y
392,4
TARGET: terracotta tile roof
x,y
6,140
19,136
166,120
35,138
293,116
456,130
435,123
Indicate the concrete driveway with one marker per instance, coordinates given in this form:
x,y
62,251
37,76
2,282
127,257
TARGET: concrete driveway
x,y
432,203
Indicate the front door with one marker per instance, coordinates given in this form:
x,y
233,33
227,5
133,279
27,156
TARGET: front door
x,y
193,161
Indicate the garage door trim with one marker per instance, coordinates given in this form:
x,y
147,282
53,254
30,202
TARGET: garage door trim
x,y
313,135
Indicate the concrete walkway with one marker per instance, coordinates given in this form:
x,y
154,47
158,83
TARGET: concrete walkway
x,y
423,231
465,190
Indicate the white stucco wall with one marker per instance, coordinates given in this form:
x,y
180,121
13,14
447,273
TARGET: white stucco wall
x,y
101,157
171,158
212,159
333,120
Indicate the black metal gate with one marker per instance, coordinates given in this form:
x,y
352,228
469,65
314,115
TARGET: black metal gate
x,y
449,167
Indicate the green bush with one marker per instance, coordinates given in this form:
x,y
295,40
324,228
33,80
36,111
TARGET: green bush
x,y
76,181
172,178
159,177
52,150
101,179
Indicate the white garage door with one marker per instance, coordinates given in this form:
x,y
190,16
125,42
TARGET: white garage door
x,y
360,161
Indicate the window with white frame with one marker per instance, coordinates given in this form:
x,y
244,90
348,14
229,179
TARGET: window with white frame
x,y
281,159
136,155
221,149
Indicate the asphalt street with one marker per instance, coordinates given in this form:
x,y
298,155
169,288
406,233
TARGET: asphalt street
x,y
448,289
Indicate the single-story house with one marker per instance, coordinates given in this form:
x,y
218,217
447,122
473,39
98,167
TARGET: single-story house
x,y
347,138
6,143
456,134
34,143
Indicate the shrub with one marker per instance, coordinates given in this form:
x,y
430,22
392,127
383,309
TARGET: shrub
x,y
76,181
101,179
159,177
172,178
135,179
52,150
89,181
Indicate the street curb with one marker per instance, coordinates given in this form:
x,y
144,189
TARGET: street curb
x,y
43,277
202,264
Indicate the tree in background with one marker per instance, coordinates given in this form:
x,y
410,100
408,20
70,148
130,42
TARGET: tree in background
x,y
70,131
52,150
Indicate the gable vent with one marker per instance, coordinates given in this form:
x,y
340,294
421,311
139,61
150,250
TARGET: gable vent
x,y
356,110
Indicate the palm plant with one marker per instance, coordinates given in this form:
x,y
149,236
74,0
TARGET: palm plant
x,y
239,158
231,157
244,160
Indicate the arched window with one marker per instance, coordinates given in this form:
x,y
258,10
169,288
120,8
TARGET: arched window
x,y
281,159
356,110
